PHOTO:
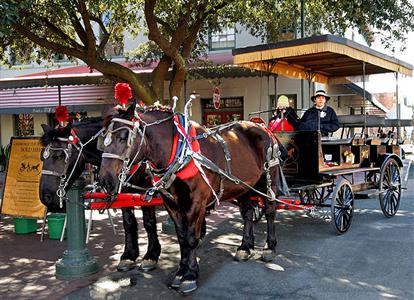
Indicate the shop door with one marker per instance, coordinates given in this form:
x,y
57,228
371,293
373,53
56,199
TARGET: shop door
x,y
231,109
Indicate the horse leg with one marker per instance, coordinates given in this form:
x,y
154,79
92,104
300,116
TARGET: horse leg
x,y
131,250
150,259
188,226
246,210
269,252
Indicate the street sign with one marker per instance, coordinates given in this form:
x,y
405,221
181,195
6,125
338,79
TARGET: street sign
x,y
216,98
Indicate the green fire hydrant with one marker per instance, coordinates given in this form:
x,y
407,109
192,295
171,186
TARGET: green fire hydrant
x,y
76,260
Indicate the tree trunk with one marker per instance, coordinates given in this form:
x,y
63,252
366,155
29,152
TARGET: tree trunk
x,y
176,83
158,76
139,88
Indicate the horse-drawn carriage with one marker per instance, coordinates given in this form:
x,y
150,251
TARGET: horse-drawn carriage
x,y
191,167
330,172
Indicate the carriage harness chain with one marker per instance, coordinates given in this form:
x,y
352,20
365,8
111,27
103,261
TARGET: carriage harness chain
x,y
72,141
183,156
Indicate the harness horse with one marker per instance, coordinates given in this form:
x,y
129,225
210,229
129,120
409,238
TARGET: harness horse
x,y
66,151
193,167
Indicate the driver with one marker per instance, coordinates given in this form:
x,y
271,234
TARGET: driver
x,y
309,121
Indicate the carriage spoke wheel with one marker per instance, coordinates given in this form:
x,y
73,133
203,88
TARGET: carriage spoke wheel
x,y
342,206
390,187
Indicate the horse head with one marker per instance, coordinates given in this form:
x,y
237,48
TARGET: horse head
x,y
133,136
64,158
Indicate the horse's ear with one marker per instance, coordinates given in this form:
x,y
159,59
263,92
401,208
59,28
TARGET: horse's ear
x,y
67,129
46,128
131,109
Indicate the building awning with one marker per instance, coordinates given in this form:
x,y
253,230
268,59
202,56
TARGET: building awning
x,y
83,74
44,99
326,59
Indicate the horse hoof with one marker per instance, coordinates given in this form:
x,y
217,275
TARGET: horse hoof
x,y
200,242
242,255
188,286
268,255
126,265
176,282
148,264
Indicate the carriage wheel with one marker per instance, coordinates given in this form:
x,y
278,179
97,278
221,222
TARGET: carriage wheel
x,y
342,206
316,196
390,187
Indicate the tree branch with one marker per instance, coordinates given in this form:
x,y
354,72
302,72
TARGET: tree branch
x,y
91,45
156,36
63,36
43,42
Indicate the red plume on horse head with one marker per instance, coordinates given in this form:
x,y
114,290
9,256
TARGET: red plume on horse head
x,y
123,93
61,114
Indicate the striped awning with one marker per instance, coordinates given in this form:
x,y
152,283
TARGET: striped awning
x,y
44,99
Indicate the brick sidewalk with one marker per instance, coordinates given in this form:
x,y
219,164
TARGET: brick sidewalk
x,y
27,266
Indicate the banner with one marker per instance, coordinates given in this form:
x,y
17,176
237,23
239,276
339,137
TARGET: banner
x,y
21,183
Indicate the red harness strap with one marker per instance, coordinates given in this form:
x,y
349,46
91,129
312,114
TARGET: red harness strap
x,y
191,169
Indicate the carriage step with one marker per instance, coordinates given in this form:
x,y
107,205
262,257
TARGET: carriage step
x,y
366,194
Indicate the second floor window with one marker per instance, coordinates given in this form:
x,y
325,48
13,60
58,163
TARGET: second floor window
x,y
224,39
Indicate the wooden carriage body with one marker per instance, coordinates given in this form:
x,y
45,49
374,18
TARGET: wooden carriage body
x,y
311,156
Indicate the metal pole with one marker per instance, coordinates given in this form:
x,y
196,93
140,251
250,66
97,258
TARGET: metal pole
x,y
76,261
398,108
363,96
60,95
302,35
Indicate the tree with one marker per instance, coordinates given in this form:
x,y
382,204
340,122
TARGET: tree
x,y
176,29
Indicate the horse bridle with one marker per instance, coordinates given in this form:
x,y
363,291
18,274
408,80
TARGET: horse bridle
x,y
135,126
72,141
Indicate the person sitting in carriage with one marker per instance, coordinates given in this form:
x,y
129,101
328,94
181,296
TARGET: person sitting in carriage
x,y
320,111
279,121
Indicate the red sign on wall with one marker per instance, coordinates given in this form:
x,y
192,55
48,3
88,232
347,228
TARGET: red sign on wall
x,y
216,98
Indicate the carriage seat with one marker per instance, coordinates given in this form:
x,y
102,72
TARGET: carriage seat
x,y
398,123
336,141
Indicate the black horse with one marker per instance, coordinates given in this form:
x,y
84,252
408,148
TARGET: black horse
x,y
250,170
61,157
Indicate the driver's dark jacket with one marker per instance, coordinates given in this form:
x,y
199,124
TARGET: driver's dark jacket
x,y
309,121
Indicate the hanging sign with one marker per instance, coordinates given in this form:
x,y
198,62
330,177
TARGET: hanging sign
x,y
21,184
216,98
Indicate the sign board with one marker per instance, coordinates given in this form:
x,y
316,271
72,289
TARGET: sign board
x,y
21,183
216,98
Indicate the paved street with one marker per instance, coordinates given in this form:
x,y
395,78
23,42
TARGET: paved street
x,y
374,260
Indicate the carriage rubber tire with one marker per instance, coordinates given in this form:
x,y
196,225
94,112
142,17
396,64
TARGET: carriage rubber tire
x,y
342,206
389,186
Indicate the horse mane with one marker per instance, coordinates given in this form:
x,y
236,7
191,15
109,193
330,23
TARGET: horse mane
x,y
115,112
63,132
87,121
54,133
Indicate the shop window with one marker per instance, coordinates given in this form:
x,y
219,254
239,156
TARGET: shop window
x,y
24,125
231,109
224,39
